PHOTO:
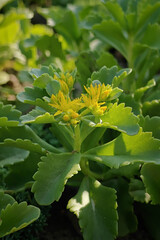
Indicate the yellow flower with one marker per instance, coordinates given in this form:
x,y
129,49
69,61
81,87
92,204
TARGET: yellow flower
x,y
96,97
66,82
99,92
67,107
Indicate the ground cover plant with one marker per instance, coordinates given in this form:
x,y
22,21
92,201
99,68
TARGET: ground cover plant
x,y
96,99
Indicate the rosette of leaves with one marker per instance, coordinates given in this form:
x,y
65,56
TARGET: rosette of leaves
x,y
132,29
103,147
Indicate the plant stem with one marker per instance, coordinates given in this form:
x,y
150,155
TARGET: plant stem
x,y
77,138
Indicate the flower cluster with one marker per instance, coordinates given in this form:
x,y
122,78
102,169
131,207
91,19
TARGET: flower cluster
x,y
71,110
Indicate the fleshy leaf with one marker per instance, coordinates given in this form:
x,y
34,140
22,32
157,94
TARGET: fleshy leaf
x,y
11,155
112,33
52,175
127,221
21,173
105,75
125,150
8,115
137,191
151,36
37,116
23,144
151,125
42,80
120,118
5,199
140,91
95,206
151,108
129,101
148,16
17,216
116,12
151,178
27,134
31,94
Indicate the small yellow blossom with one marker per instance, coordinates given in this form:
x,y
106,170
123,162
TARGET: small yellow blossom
x,y
96,97
64,105
66,81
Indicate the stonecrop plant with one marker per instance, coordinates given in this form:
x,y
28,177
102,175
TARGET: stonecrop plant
x,y
104,153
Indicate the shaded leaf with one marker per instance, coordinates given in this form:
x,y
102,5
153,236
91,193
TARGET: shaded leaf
x,y
11,155
17,216
140,91
52,175
151,125
9,116
137,191
5,199
151,108
25,133
21,173
112,33
151,178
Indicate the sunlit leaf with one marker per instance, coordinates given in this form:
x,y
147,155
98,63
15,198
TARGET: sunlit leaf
x,y
125,150
95,206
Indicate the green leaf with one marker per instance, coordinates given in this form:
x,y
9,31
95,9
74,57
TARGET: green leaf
x,y
117,13
52,45
140,91
151,125
11,155
105,75
120,118
8,115
42,80
106,59
53,87
127,221
37,116
149,15
69,26
28,135
23,144
95,206
151,108
129,101
112,33
64,134
22,173
5,199
52,175
143,59
151,178
151,36
86,64
137,191
36,72
125,150
31,94
17,216
120,76
128,171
